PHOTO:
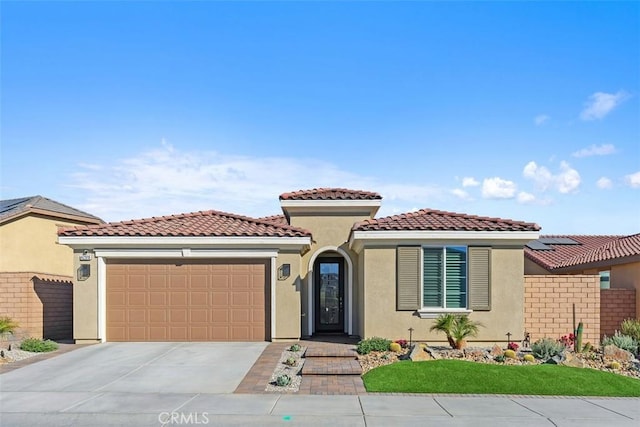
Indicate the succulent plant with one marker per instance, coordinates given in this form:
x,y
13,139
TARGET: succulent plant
x,y
283,380
395,347
295,347
510,354
290,361
499,358
529,358
614,365
546,348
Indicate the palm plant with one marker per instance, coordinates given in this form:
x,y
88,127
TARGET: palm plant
x,y
464,327
444,323
7,326
456,328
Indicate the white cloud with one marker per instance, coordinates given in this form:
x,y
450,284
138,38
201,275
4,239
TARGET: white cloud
x,y
498,188
469,181
461,194
541,119
565,181
167,180
526,198
601,103
595,150
604,183
568,180
539,174
633,180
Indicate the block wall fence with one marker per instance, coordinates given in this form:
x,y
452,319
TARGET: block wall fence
x,y
42,304
615,306
548,305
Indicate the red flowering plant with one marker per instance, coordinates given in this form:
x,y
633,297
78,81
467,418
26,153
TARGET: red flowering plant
x,y
513,346
567,340
403,343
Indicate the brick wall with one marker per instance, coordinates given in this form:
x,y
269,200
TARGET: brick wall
x,y
42,304
548,305
615,306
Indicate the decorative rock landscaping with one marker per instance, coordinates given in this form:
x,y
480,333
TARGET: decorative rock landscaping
x,y
290,364
609,358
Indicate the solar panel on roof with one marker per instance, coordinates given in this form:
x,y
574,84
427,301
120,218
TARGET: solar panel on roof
x,y
558,241
537,245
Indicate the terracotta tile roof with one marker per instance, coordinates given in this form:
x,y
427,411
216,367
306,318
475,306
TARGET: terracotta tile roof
x,y
275,219
13,207
619,248
196,224
429,219
330,194
559,254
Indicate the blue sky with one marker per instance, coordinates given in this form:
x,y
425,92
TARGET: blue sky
x,y
523,110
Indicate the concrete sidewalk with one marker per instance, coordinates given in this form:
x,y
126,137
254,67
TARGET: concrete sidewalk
x,y
154,409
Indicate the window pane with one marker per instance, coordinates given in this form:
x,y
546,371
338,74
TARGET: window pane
x,y
433,275
456,277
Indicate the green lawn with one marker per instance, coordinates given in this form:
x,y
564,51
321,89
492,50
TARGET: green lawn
x,y
456,376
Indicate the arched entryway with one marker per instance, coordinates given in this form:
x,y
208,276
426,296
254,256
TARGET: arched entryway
x,y
330,291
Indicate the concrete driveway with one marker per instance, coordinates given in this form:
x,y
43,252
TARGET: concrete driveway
x,y
140,368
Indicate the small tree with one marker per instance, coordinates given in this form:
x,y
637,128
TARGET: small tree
x,y
444,323
7,326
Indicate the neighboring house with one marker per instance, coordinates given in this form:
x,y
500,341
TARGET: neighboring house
x,y
616,259
35,271
325,266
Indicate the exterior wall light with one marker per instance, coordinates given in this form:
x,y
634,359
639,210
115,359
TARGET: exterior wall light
x,y
84,271
284,271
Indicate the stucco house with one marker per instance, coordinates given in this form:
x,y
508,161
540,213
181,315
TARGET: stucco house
x,y
35,271
327,265
616,259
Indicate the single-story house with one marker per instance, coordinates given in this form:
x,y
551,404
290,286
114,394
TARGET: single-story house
x,y
327,265
616,259
35,271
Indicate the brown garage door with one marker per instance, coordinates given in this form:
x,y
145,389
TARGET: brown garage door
x,y
196,301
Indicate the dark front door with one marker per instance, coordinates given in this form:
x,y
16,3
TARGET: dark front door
x,y
329,294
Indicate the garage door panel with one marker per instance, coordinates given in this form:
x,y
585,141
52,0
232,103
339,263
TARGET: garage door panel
x,y
188,302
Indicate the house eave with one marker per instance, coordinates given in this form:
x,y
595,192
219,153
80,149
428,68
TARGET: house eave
x,y
171,242
353,207
360,239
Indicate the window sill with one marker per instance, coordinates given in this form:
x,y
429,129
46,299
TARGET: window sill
x,y
432,313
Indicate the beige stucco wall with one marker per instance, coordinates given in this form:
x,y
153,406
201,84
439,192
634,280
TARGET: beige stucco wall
x,y
29,243
85,302
288,299
382,319
330,231
531,267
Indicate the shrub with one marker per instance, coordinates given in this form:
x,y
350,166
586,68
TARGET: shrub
x,y
373,344
510,354
568,340
631,327
622,341
395,347
529,358
36,345
513,346
499,358
7,326
283,380
546,348
295,347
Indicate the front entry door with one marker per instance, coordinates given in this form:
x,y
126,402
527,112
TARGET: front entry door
x,y
329,294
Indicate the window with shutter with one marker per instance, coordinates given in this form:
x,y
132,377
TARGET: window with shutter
x,y
480,279
444,279
408,278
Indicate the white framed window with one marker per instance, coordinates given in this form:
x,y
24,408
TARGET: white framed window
x,y
444,278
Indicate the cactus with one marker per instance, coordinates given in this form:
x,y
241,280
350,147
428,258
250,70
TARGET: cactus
x,y
283,380
614,365
395,347
510,354
587,347
529,358
578,343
